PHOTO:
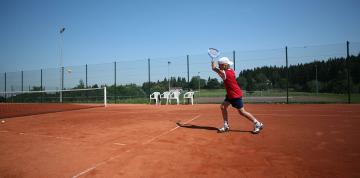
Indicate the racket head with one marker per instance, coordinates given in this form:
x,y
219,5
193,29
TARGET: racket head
x,y
213,53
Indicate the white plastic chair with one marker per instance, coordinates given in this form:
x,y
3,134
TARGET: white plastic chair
x,y
166,96
174,95
155,96
189,95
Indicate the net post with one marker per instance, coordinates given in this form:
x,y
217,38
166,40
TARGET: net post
x,y
105,97
348,71
287,75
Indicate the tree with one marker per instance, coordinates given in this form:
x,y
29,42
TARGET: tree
x,y
194,83
213,83
242,82
81,85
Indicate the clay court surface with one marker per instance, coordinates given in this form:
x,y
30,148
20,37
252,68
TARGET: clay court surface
x,y
144,141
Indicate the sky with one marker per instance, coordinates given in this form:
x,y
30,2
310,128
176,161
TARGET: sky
x,y
132,30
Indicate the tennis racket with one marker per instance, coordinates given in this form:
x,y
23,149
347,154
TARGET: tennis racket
x,y
213,53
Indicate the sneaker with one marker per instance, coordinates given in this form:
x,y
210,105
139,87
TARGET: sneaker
x,y
258,127
224,129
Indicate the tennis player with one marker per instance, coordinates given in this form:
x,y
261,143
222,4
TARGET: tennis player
x,y
233,95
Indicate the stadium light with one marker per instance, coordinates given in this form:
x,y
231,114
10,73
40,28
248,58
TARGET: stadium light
x,y
61,64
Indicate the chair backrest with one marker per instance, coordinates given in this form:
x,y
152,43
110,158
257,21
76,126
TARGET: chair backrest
x,y
175,94
189,94
166,94
155,95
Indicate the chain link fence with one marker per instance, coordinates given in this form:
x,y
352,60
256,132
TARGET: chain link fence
x,y
305,74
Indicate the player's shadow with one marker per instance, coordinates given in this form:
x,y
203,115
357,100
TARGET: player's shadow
x,y
192,126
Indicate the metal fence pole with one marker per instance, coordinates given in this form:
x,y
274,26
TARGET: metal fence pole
x,y
234,60
115,81
22,81
5,87
149,89
86,76
41,79
41,85
86,82
62,78
22,86
62,84
287,75
348,71
188,73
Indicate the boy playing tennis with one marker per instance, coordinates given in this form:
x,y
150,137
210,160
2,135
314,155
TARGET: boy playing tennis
x,y
233,94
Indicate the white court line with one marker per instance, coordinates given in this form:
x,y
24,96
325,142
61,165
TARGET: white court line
x,y
167,132
48,136
114,157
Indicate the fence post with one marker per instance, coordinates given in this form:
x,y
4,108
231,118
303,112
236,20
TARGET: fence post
x,y
41,79
115,81
188,73
62,78
22,81
86,83
5,87
287,75
234,60
86,76
149,89
348,71
41,85
62,84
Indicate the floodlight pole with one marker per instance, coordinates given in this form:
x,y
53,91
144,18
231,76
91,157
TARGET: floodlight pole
x,y
61,65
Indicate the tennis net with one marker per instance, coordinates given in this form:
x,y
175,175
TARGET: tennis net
x,y
23,103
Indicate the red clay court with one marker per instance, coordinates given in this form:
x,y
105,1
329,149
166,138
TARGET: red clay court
x,y
144,141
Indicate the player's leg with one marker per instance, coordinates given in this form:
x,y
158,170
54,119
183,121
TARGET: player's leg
x,y
224,112
250,117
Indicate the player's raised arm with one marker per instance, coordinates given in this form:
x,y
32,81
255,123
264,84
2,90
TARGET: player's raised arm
x,y
217,70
